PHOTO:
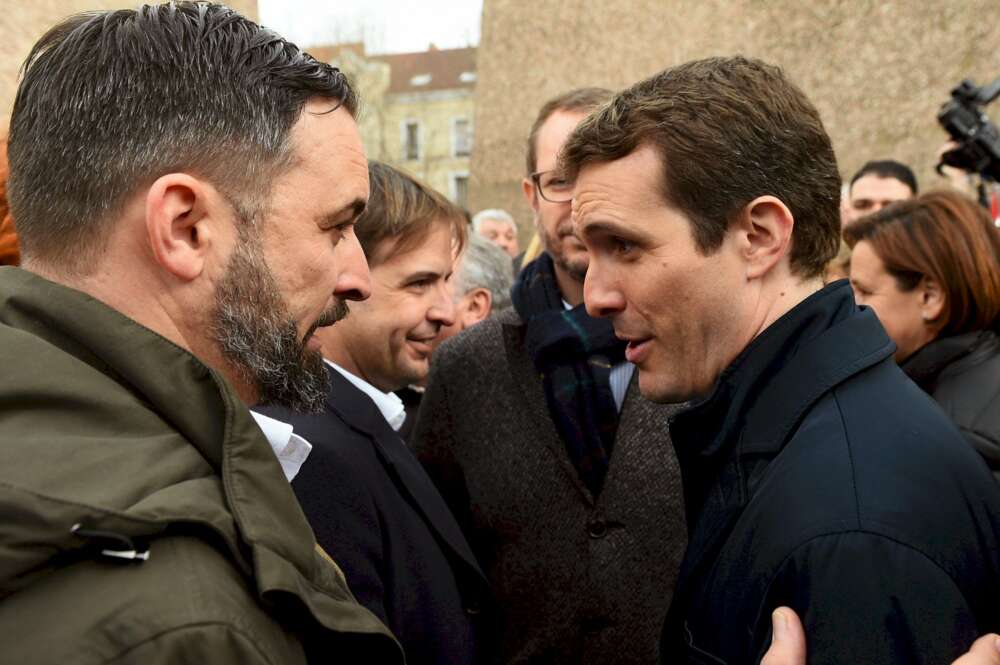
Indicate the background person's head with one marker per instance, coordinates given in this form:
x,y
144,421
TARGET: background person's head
x,y
168,178
929,267
708,198
547,192
411,236
480,285
498,227
877,184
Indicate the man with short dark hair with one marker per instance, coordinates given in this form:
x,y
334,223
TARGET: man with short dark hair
x,y
877,184
816,475
561,475
371,504
185,185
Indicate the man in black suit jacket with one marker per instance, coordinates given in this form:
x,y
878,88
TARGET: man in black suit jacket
x,y
370,503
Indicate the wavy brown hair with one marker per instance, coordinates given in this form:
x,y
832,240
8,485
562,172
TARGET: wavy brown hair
x,y
949,238
400,211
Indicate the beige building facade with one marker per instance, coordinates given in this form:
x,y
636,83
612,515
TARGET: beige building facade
x,y
417,110
23,22
878,70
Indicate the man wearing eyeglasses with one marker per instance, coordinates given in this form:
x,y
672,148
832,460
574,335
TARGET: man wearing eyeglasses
x,y
561,475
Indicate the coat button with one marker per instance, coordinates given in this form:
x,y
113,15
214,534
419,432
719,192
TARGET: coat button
x,y
597,529
473,610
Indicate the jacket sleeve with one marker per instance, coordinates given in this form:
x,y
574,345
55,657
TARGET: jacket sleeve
x,y
341,510
216,643
864,598
434,441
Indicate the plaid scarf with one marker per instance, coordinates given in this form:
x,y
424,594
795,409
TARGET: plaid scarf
x,y
573,352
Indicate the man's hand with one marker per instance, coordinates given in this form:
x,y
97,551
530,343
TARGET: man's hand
x,y
788,640
788,644
984,651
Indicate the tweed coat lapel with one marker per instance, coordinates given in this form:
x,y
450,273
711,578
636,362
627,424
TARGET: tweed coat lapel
x,y
640,423
533,402
357,410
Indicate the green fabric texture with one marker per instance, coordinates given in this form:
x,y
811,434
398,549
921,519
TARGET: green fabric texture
x,y
105,424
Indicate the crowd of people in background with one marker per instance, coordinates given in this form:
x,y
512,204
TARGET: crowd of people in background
x,y
312,410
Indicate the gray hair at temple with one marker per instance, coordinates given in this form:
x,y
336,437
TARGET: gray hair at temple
x,y
492,213
485,266
109,101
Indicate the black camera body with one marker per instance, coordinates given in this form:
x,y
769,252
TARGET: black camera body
x,y
978,139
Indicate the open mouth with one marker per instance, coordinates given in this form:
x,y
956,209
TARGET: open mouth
x,y
637,350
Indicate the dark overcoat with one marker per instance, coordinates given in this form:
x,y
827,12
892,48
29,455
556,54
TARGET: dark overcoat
x,y
578,578
376,512
819,477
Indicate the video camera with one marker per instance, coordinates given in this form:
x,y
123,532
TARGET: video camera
x,y
978,139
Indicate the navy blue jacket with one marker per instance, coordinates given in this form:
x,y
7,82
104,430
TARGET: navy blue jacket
x,y
377,514
818,476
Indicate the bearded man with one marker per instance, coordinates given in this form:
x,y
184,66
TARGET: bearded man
x,y
186,185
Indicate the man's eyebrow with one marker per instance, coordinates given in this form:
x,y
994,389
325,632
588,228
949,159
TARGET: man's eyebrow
x,y
356,207
421,275
605,228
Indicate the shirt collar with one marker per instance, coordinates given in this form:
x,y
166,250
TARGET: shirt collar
x,y
388,404
290,448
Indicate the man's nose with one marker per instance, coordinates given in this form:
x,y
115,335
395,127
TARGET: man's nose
x,y
442,309
601,294
354,282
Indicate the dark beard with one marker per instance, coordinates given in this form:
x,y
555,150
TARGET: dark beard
x,y
257,335
577,272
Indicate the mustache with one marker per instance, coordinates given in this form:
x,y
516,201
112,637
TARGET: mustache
x,y
338,311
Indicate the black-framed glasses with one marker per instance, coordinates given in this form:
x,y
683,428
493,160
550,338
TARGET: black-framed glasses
x,y
552,187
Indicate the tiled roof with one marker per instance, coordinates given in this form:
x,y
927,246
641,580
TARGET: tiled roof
x,y
436,69
329,53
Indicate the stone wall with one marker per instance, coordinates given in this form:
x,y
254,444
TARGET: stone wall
x,y
23,22
878,70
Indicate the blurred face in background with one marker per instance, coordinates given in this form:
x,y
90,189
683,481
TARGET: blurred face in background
x,y
500,233
552,220
907,316
870,193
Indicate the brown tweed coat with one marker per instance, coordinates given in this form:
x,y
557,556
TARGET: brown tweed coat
x,y
576,580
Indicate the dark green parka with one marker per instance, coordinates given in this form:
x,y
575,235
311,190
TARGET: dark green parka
x,y
114,440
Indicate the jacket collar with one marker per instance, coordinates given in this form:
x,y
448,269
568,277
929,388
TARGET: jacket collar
x,y
259,518
760,398
358,411
924,366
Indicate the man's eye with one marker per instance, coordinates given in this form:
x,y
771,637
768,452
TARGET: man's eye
x,y
556,183
622,246
862,204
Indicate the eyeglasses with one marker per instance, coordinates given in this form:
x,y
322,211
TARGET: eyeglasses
x,y
552,187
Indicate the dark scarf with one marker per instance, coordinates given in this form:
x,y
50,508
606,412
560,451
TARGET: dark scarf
x,y
573,352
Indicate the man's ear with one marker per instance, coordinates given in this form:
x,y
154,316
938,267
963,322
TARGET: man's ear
x,y
478,305
177,224
931,299
765,233
528,188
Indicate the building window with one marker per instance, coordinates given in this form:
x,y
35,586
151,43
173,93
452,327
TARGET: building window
x,y
461,137
460,189
411,140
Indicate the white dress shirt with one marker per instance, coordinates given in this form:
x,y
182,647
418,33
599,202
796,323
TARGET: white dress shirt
x,y
389,404
291,449
621,375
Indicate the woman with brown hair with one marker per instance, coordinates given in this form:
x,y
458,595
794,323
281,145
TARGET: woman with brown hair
x,y
930,268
